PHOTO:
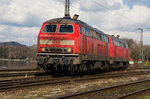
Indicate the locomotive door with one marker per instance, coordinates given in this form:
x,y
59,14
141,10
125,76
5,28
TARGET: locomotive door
x,y
84,38
84,44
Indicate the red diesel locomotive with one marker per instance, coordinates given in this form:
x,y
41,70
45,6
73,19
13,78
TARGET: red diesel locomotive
x,y
70,45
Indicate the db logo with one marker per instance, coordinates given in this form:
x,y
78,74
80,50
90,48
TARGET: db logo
x,y
56,42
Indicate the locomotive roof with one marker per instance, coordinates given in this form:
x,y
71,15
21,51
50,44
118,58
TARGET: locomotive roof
x,y
65,20
74,21
115,38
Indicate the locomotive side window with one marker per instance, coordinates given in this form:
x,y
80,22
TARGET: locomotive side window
x,y
83,30
87,32
91,33
108,39
95,35
116,43
50,28
105,38
121,44
66,29
99,36
80,30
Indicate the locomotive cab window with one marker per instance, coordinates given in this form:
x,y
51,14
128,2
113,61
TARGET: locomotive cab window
x,y
66,29
49,28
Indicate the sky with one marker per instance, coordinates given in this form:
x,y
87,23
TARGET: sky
x,y
21,20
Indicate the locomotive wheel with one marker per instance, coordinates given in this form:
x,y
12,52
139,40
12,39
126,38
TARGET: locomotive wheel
x,y
54,70
75,70
72,71
80,69
125,66
46,68
112,67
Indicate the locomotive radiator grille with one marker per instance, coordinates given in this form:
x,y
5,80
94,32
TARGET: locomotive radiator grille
x,y
55,50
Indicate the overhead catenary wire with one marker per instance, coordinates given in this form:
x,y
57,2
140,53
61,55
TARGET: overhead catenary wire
x,y
98,3
107,8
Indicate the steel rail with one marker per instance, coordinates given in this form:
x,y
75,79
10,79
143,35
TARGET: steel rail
x,y
82,94
2,75
26,82
12,70
133,94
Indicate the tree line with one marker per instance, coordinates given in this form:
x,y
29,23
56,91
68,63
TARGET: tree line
x,y
18,52
134,48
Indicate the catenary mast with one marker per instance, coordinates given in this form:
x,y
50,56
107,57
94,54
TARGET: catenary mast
x,y
67,8
141,58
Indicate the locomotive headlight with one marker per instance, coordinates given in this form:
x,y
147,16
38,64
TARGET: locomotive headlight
x,y
69,50
43,49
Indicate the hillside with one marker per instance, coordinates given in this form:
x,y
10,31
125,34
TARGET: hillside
x,y
15,50
12,43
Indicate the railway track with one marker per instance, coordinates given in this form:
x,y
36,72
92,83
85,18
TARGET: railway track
x,y
16,74
123,91
138,68
35,71
135,94
44,80
20,72
26,82
16,70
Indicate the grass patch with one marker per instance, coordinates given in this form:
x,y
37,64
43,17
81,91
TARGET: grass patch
x,y
35,88
145,97
72,82
39,95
